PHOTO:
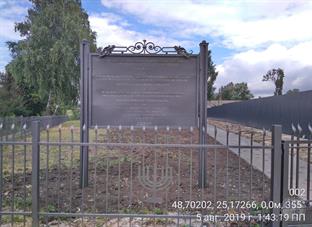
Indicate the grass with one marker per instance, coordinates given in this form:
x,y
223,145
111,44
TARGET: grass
x,y
18,220
19,156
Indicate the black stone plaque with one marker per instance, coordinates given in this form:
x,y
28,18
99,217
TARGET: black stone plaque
x,y
144,91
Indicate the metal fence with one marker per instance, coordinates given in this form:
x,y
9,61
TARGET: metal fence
x,y
9,125
263,112
138,177
296,177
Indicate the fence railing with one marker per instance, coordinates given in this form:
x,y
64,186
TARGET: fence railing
x,y
137,176
9,125
296,181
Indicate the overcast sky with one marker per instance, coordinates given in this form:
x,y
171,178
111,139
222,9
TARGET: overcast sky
x,y
247,38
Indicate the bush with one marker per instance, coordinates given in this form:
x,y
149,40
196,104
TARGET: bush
x,y
73,114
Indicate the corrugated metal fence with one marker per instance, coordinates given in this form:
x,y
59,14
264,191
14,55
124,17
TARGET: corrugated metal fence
x,y
263,112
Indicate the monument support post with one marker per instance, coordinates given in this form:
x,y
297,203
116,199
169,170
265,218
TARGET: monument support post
x,y
84,113
203,76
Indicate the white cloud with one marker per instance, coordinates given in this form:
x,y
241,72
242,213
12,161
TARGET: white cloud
x,y
11,11
112,29
250,66
238,23
272,34
7,30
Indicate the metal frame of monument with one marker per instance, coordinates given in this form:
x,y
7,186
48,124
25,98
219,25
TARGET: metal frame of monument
x,y
145,50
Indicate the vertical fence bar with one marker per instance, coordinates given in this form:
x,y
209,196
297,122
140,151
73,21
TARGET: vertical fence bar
x,y
13,174
179,175
239,165
106,172
297,160
24,172
119,169
251,164
191,169
309,169
227,163
285,173
132,137
276,169
203,65
167,166
71,169
1,172
47,171
95,174
215,170
263,168
84,113
285,168
59,158
35,172
292,162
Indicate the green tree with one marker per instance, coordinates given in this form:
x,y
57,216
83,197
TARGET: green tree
x,y
292,91
231,91
277,76
11,103
212,76
45,63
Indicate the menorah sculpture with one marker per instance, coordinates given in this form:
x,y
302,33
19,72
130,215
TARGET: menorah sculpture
x,y
154,182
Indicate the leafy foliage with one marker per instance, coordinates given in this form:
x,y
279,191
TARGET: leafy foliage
x,y
11,104
45,63
212,76
238,91
292,91
277,76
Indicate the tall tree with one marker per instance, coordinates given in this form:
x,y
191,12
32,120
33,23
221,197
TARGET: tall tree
x,y
46,62
11,103
212,76
277,76
238,91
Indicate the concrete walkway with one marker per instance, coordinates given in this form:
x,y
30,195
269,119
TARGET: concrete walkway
x,y
258,156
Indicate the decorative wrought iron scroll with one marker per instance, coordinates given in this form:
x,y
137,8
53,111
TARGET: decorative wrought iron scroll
x,y
143,47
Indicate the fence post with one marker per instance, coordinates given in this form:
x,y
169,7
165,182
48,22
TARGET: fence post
x,y
285,171
202,177
35,130
84,111
276,170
